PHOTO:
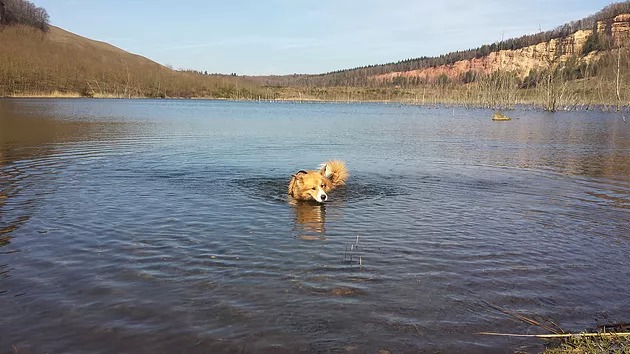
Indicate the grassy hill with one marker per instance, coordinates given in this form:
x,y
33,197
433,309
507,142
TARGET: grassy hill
x,y
60,63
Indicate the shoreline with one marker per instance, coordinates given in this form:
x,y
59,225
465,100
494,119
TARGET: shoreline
x,y
605,107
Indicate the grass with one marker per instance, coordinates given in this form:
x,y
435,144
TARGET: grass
x,y
62,64
587,345
67,94
51,94
607,339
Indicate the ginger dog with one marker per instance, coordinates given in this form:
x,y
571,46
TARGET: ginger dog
x,y
314,185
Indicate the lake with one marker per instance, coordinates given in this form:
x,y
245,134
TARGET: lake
x,y
145,226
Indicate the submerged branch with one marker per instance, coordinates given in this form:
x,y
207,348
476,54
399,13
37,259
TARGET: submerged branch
x,y
559,335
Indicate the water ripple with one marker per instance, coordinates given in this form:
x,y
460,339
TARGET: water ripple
x,y
166,227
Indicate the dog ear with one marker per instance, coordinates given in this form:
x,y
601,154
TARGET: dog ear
x,y
300,174
325,170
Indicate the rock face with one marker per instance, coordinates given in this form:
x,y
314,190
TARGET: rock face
x,y
620,29
521,61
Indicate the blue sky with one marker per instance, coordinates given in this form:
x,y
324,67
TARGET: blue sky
x,y
284,37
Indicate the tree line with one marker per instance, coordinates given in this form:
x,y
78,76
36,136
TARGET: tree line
x,y
21,12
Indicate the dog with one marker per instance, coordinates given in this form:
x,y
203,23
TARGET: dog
x,y
314,185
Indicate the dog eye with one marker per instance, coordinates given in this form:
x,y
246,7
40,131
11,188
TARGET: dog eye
x,y
323,185
314,188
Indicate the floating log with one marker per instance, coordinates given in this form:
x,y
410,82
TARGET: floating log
x,y
500,117
559,335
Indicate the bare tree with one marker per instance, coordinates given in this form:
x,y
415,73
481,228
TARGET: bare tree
x,y
2,13
617,78
23,12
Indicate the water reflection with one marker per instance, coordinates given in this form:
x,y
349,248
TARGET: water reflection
x,y
310,220
32,151
23,144
586,147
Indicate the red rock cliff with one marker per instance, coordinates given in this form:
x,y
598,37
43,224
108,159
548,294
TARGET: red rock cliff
x,y
525,59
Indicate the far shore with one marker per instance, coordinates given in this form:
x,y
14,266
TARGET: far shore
x,y
112,96
607,107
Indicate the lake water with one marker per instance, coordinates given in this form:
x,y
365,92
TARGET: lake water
x,y
145,226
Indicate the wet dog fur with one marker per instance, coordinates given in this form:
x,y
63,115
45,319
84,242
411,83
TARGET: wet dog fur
x,y
315,185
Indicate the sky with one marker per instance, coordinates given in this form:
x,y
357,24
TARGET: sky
x,y
254,37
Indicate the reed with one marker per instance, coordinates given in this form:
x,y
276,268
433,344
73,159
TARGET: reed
x,y
560,342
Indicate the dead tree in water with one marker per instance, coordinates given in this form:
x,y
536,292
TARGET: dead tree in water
x,y
617,78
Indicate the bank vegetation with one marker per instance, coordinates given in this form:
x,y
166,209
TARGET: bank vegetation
x,y
603,83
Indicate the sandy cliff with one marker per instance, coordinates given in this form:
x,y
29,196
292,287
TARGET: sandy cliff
x,y
525,59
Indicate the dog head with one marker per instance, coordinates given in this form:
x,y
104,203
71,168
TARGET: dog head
x,y
311,185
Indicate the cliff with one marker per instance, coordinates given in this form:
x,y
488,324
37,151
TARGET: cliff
x,y
522,61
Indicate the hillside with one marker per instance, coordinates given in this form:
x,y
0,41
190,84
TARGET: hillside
x,y
58,62
519,54
580,64
523,60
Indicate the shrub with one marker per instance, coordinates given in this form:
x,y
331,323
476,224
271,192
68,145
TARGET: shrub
x,y
14,12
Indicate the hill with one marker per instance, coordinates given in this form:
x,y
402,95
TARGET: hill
x,y
581,45
568,39
581,63
576,65
58,62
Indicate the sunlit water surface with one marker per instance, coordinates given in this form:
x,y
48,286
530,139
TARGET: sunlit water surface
x,y
163,226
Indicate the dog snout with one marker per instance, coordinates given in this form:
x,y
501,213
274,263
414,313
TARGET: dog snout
x,y
324,197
